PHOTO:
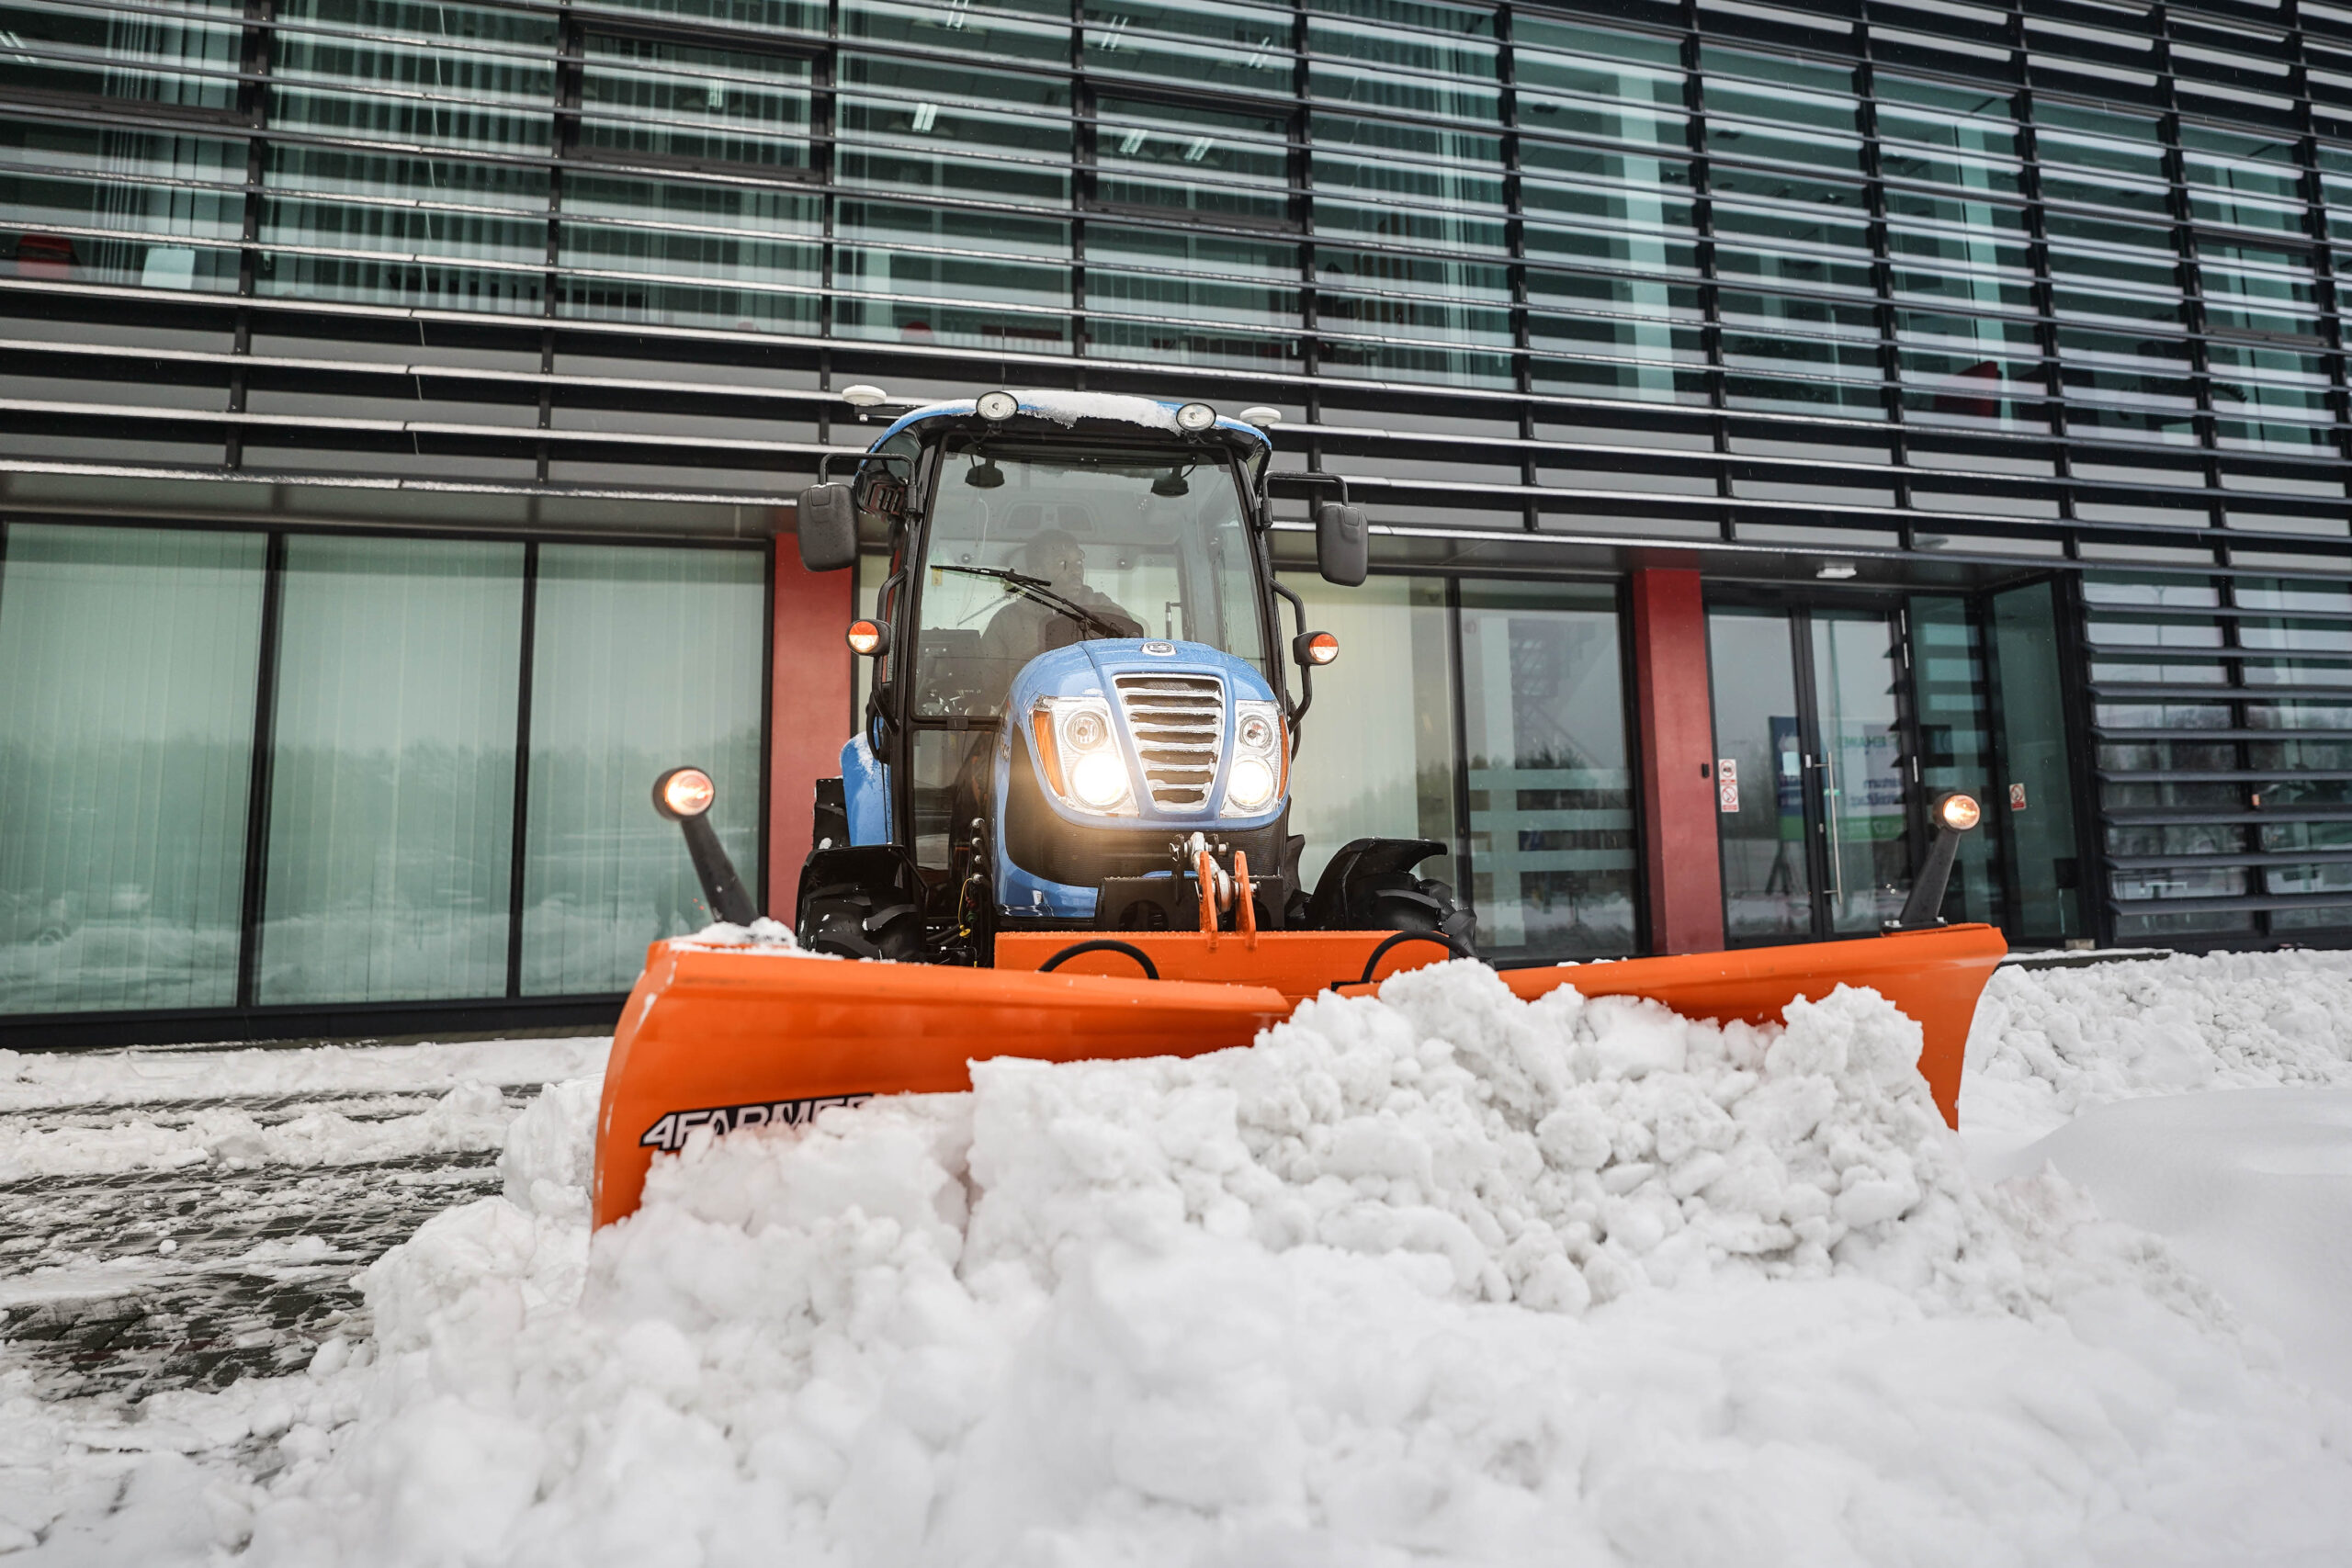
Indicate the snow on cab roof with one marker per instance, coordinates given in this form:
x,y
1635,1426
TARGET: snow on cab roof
x,y
1066,409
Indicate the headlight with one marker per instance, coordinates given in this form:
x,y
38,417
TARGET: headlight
x,y
1258,774
1099,780
1079,757
997,406
1251,783
1195,416
683,792
1959,812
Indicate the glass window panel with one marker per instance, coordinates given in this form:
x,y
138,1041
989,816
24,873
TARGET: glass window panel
x,y
123,764
392,775
1236,48
933,127
459,184
1964,120
720,234
426,284
1588,46
447,76
1422,74
396,229
185,61
1432,186
1767,889
1432,53
1731,139
1828,400
1613,296
644,660
1789,313
2261,166
407,238
1610,123
1551,810
1793,269
1865,819
1601,378
1740,100
2099,139
1191,162
2243,212
1961,291
758,16
125,208
1793,226
2258,290
1011,30
2044,853
1954,706
892,289
1972,390
1651,253
1540,71
1376,754
1813,357
646,99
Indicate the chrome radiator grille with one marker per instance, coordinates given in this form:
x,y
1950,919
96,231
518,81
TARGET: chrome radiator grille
x,y
1178,722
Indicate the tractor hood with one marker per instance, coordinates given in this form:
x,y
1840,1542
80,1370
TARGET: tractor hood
x,y
1172,710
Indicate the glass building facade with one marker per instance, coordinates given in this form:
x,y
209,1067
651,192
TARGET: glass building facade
x,y
399,401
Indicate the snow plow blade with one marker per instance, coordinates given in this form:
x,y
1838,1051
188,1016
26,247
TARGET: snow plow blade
x,y
730,1037
1933,977
724,1037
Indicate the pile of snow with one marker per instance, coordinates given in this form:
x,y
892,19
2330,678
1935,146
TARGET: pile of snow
x,y
2048,1043
91,1129
2251,1189
43,1080
469,1116
1436,1276
2106,1075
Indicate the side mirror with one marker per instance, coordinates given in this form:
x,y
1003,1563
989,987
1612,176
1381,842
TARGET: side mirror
x,y
828,528
1343,548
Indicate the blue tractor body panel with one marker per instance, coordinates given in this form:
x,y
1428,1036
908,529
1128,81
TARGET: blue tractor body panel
x,y
866,791
1091,669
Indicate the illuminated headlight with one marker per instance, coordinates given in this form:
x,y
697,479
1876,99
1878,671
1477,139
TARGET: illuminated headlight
x,y
1959,812
1099,780
1079,757
684,792
1195,416
1255,779
1251,783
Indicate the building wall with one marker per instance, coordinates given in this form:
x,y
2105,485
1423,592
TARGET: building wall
x,y
1960,299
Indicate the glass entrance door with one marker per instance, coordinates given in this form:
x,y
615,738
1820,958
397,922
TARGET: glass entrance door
x,y
1811,763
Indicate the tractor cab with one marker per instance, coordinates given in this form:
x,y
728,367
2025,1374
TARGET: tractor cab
x,y
1080,682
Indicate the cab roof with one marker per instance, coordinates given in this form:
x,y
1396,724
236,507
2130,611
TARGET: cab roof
x,y
1067,409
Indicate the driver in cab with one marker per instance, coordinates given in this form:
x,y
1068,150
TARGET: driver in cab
x,y
1029,627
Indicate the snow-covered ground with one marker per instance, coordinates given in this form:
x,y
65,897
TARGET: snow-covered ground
x,y
1437,1277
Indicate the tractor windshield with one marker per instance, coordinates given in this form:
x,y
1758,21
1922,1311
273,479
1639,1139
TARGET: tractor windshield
x,y
1032,546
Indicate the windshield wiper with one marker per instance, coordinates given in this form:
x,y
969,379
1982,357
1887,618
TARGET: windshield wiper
x,y
1041,590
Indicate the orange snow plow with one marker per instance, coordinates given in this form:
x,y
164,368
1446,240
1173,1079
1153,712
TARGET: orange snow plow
x,y
730,1037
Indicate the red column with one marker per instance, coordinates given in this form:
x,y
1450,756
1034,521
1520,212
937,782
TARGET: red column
x,y
1682,871
809,717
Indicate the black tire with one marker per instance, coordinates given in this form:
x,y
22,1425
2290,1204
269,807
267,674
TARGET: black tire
x,y
1401,901
862,902
843,921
